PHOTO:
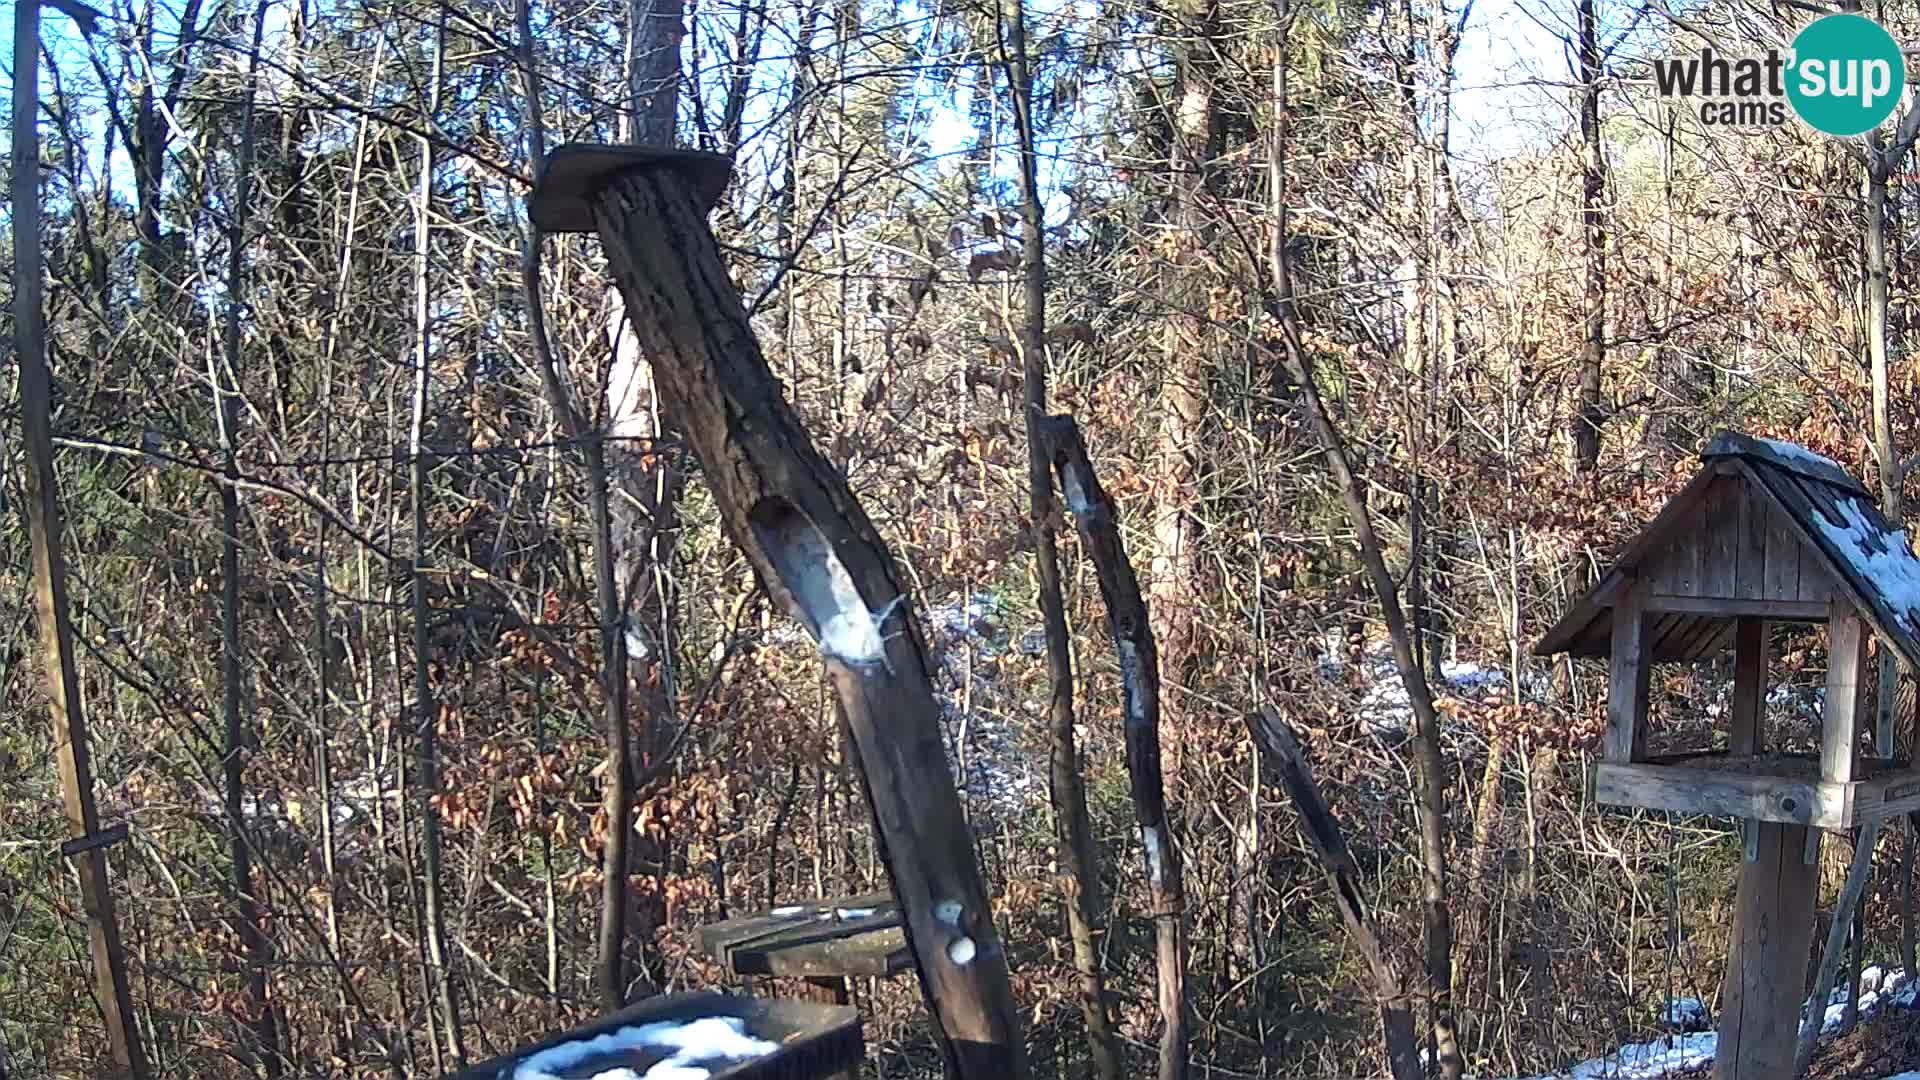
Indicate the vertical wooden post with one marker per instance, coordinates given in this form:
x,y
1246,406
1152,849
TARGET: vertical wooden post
x,y
1767,970
1749,734
49,563
1846,666
1749,686
831,990
1629,672
813,547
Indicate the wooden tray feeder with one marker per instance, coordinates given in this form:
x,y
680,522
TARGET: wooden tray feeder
x,y
810,1041
822,941
1767,532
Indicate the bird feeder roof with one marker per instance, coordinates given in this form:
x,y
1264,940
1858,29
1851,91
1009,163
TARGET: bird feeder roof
x,y
1766,528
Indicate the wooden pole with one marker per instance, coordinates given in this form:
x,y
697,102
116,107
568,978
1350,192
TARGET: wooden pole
x,y
818,555
1140,688
1843,912
49,564
1767,968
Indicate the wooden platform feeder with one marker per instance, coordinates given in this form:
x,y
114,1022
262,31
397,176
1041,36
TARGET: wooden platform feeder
x,y
825,942
1767,532
810,1041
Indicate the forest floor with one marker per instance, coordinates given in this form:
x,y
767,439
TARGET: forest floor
x,y
1878,1048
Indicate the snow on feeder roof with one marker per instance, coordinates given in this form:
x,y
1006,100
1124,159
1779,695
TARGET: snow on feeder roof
x,y
693,1037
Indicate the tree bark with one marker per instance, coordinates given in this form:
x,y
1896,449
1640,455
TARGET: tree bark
x,y
1879,165
1128,619
822,562
1080,869
1281,749
426,710
261,1021
64,708
1589,414
634,491
1174,581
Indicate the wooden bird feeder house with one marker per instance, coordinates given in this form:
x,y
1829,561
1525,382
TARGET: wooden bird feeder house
x,y
1767,532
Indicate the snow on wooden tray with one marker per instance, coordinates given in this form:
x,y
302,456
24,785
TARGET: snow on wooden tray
x,y
663,1050
697,1036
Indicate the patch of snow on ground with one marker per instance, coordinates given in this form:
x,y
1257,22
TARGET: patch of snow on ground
x,y
1385,706
968,644
1654,1060
710,1038
1657,1059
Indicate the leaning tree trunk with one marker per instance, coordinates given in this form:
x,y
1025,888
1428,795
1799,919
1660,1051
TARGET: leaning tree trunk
x,y
1140,689
821,560
50,610
1430,782
1280,747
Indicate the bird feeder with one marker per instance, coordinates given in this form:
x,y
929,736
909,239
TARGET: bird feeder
x,y
1767,532
716,1035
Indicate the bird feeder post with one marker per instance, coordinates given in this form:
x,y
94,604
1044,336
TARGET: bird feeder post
x,y
812,546
1766,532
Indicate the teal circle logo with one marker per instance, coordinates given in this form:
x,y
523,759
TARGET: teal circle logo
x,y
1847,74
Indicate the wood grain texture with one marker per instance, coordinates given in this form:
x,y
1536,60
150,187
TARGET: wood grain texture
x,y
1689,790
1719,538
1139,664
1767,969
1629,670
1846,679
814,548
1750,545
1280,749
1749,687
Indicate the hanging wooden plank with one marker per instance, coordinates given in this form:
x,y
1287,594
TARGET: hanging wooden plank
x,y
820,559
1281,750
1133,640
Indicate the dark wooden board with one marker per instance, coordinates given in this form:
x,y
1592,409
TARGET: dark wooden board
x,y
812,942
